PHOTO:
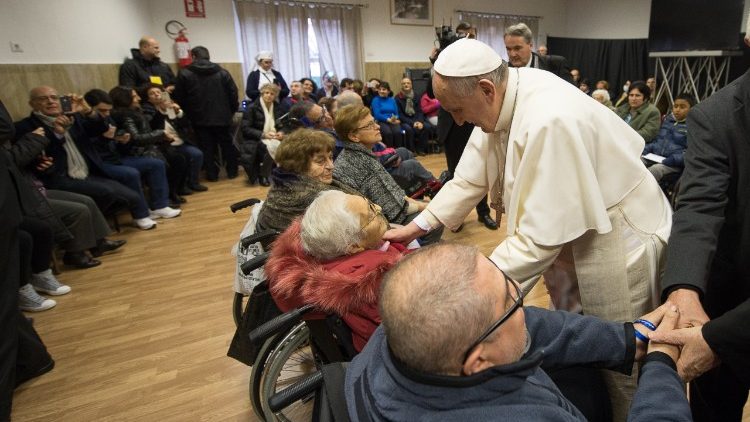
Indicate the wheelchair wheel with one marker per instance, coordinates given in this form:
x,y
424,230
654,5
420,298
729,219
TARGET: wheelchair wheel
x,y
256,374
292,359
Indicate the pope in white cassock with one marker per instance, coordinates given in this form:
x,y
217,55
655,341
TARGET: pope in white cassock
x,y
581,208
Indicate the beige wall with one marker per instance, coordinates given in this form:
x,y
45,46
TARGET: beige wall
x,y
391,71
18,79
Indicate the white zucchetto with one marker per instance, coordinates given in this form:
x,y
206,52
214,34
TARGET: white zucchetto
x,y
467,57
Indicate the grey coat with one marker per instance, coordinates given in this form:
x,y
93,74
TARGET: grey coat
x,y
358,168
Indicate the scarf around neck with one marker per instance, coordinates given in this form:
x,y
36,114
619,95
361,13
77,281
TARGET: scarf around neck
x,y
268,123
77,168
409,108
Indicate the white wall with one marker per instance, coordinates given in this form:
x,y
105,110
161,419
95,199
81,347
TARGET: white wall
x,y
104,31
608,19
216,31
386,42
77,31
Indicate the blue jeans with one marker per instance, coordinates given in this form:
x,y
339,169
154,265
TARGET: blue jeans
x,y
130,172
196,163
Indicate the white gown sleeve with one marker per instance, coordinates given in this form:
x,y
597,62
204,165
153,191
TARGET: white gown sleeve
x,y
523,260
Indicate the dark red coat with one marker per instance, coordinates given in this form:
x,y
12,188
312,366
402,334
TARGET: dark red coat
x,y
346,286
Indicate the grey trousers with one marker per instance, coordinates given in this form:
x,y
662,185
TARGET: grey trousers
x,y
81,216
410,169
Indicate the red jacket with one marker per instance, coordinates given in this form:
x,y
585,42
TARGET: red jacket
x,y
347,286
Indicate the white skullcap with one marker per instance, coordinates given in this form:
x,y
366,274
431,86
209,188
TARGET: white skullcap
x,y
467,57
264,55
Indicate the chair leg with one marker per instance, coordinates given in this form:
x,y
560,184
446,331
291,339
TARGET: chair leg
x,y
54,264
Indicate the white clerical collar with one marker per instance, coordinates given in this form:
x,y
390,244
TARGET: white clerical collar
x,y
509,101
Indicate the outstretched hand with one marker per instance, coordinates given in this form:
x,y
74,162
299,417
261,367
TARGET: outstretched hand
x,y
403,235
667,325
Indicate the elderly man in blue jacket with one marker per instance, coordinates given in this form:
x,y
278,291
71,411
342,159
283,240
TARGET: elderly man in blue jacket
x,y
457,344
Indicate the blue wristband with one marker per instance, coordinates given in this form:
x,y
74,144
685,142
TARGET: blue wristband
x,y
648,324
640,336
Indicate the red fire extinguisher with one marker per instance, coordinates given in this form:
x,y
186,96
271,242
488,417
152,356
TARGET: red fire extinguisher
x,y
182,49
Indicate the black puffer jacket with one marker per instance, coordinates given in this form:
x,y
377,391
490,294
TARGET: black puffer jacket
x,y
254,119
143,140
137,71
207,93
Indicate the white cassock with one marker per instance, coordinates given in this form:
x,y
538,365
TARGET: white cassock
x,y
581,207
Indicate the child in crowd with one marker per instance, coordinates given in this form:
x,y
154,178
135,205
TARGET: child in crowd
x,y
672,140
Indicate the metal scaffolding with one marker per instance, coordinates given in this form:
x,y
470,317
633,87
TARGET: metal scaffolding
x,y
700,73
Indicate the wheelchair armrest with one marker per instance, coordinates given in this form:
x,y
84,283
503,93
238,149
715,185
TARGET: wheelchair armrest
x,y
253,264
262,236
295,392
281,323
243,204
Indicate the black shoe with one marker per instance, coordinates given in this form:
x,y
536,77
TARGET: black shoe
x,y
212,178
184,191
198,187
80,260
177,199
28,373
458,229
231,175
488,221
264,181
106,245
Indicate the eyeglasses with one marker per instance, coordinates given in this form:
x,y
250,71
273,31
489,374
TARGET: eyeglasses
x,y
374,212
517,303
372,125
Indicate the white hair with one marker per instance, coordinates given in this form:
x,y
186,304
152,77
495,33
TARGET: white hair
x,y
603,92
329,227
348,98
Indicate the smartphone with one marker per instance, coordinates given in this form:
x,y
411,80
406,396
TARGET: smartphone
x,y
66,102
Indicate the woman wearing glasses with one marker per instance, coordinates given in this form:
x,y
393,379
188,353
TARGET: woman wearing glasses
x,y
334,258
305,168
358,167
260,136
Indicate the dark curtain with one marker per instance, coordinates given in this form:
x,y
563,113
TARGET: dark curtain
x,y
614,61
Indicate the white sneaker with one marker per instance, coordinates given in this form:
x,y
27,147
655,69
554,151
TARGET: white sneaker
x,y
145,223
46,282
165,212
30,301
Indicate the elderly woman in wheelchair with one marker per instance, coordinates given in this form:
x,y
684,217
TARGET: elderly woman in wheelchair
x,y
305,168
334,258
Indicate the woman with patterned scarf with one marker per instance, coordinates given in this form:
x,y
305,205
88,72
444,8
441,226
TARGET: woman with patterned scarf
x,y
305,168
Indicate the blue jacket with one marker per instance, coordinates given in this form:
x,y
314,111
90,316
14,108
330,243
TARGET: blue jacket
x,y
383,108
671,142
379,388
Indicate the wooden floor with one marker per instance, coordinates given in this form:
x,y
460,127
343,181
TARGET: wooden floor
x,y
144,336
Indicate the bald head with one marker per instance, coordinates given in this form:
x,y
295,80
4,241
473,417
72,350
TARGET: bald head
x,y
432,308
348,98
149,47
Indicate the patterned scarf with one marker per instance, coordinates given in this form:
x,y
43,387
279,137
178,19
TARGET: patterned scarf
x,y
77,168
409,109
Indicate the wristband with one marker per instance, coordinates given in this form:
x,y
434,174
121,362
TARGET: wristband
x,y
648,324
640,336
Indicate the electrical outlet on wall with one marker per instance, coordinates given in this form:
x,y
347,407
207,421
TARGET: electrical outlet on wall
x,y
15,47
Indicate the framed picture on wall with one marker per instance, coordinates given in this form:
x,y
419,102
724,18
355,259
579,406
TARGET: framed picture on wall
x,y
411,12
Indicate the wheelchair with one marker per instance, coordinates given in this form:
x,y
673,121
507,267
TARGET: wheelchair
x,y
286,347
296,345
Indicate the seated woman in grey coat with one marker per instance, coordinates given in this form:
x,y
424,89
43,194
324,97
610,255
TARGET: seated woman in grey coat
x,y
358,168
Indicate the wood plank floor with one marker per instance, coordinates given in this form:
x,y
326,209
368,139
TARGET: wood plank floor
x,y
144,336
